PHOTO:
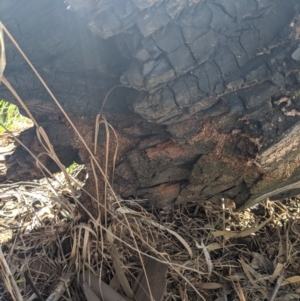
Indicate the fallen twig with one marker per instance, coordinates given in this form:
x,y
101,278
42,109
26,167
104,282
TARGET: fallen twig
x,y
7,275
62,286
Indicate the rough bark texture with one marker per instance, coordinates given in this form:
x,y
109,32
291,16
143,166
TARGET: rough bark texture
x,y
211,102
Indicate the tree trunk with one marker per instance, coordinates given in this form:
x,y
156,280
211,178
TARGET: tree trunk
x,y
209,104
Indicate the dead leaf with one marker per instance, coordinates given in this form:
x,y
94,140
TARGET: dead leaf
x,y
210,285
290,280
214,246
119,271
89,294
114,282
118,265
156,275
100,288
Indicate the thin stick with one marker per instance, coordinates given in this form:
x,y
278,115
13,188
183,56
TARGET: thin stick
x,y
6,270
61,287
276,288
30,282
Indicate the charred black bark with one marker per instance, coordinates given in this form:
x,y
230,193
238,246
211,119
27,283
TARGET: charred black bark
x,y
211,105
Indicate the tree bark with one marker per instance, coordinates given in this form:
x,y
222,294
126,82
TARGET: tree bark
x,y
209,104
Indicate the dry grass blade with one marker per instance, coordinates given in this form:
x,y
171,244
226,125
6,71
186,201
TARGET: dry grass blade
x,y
33,287
9,279
97,123
119,271
248,274
90,295
120,275
109,235
2,53
106,171
244,233
207,256
249,271
117,264
115,153
179,237
183,295
239,291
108,127
161,227
210,285
100,288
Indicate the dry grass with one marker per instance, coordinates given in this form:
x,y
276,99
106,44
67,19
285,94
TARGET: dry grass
x,y
238,268
211,251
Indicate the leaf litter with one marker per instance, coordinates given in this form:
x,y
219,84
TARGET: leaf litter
x,y
130,251
46,243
